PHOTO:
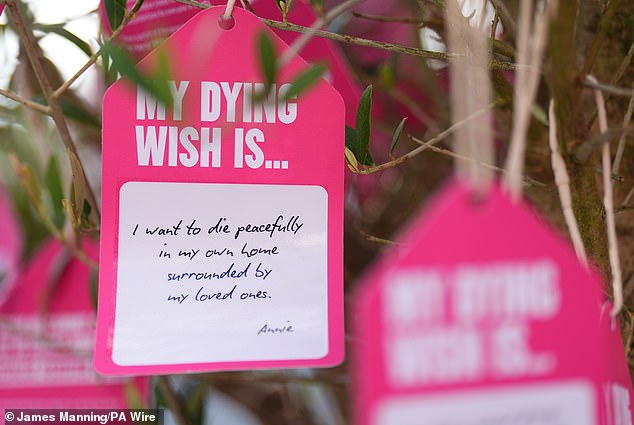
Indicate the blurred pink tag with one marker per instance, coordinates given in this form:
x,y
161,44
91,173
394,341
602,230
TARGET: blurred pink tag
x,y
10,247
46,338
484,316
617,393
222,227
155,21
1,8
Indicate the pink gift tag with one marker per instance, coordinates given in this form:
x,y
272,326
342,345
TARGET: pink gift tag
x,y
46,338
10,247
484,316
222,228
155,21
317,50
616,406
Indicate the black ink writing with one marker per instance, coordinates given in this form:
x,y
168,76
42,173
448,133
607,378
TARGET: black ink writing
x,y
219,227
267,330
252,252
164,231
279,225
229,273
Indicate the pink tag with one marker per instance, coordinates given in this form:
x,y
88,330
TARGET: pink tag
x,y
617,394
46,335
10,247
317,50
222,226
484,316
155,21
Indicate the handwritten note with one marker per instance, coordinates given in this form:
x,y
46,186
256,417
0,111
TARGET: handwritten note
x,y
229,271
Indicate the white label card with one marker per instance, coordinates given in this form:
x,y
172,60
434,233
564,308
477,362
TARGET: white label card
x,y
204,264
569,403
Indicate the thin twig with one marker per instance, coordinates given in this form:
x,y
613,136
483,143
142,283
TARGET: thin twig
x,y
391,19
172,400
585,149
411,51
628,197
91,60
621,146
625,65
563,186
494,23
608,203
26,102
616,91
527,180
30,45
376,239
306,36
427,145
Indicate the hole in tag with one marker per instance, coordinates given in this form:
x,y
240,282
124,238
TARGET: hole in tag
x,y
226,24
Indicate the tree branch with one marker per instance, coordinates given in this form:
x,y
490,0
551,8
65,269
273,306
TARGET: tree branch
x,y
26,102
411,51
91,61
25,32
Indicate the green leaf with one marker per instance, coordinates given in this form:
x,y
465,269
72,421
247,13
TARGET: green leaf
x,y
79,207
396,136
115,11
76,112
30,182
351,140
72,110
94,288
305,80
63,32
363,126
156,85
268,59
56,192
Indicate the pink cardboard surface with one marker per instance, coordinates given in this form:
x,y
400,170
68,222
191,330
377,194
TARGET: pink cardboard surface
x,y
222,230
477,319
317,50
46,338
10,247
617,394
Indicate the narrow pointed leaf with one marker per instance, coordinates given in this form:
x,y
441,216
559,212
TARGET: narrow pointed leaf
x,y
268,59
115,11
63,32
56,192
122,62
305,80
94,287
397,136
363,126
